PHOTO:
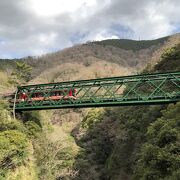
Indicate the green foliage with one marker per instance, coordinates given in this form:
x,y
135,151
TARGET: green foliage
x,y
169,60
116,142
13,150
113,144
131,44
14,144
52,158
6,122
132,125
93,117
21,74
3,104
33,129
159,157
95,144
33,116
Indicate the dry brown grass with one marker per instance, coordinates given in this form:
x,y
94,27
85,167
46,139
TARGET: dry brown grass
x,y
78,71
92,53
173,40
93,57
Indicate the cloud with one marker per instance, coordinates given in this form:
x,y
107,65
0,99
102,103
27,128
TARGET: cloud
x,y
34,27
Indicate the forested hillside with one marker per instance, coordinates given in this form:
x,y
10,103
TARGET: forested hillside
x,y
93,60
138,142
128,44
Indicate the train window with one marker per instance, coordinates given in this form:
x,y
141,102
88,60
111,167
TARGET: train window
x,y
74,92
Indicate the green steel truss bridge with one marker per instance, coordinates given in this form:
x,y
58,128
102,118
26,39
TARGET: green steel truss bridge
x,y
145,89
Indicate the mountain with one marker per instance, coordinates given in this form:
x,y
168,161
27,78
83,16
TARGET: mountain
x,y
60,144
95,59
129,44
135,142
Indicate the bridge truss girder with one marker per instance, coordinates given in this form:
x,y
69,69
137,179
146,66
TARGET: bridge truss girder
x,y
149,89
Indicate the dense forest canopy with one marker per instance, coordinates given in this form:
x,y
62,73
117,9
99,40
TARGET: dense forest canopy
x,y
143,144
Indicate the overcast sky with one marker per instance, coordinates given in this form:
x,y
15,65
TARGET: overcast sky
x,y
35,27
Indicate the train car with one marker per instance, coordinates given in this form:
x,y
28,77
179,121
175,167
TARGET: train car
x,y
41,96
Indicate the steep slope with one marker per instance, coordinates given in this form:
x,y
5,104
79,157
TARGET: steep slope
x,y
89,54
127,55
95,60
137,142
97,148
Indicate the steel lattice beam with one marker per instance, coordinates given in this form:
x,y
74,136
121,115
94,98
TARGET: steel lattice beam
x,y
156,88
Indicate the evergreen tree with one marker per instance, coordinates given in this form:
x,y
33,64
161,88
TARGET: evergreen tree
x,y
21,74
159,157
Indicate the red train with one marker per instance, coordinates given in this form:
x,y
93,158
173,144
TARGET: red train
x,y
41,96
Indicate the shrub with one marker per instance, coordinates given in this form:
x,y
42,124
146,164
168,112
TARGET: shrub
x,y
13,150
33,129
159,157
32,116
169,60
6,122
94,116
